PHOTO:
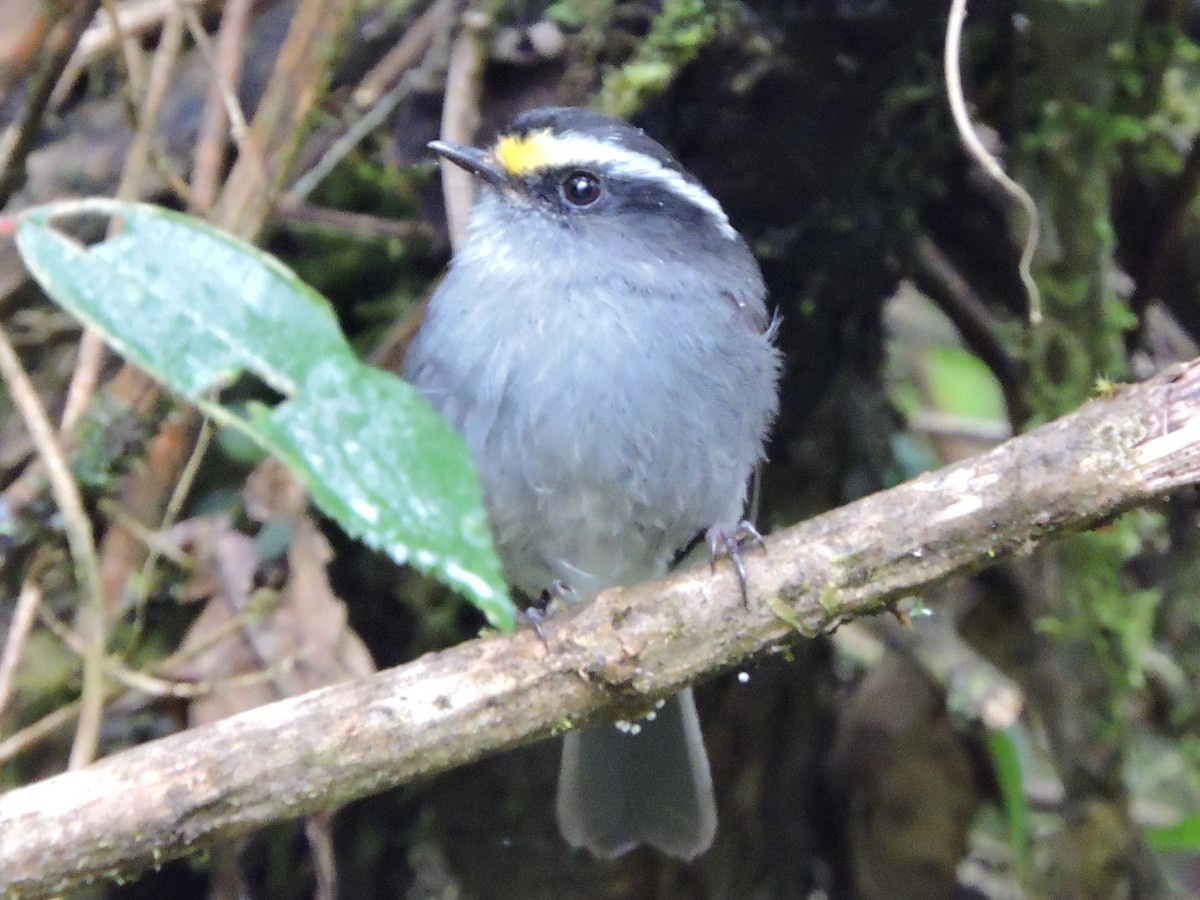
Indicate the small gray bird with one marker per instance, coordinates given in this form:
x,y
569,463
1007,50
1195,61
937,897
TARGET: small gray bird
x,y
602,342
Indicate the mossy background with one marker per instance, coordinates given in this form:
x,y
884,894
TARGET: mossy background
x,y
822,126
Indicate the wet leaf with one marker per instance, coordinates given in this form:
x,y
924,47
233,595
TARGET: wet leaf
x,y
196,308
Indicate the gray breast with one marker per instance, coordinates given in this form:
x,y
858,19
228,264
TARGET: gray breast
x,y
611,420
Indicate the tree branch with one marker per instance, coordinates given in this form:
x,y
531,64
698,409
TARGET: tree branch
x,y
291,758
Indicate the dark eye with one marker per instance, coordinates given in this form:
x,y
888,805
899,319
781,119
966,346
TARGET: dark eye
x,y
581,188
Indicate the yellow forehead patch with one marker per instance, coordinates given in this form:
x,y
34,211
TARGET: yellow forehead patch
x,y
526,153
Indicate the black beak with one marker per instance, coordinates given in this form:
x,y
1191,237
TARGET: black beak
x,y
477,162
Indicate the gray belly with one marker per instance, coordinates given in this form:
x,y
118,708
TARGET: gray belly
x,y
601,456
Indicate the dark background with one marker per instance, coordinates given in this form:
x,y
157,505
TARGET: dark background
x,y
858,766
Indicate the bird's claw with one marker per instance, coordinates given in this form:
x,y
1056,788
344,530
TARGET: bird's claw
x,y
558,592
725,542
535,616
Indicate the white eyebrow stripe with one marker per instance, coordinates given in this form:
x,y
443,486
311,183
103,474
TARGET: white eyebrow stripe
x,y
572,148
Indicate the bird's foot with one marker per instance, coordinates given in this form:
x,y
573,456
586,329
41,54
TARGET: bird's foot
x,y
728,542
551,599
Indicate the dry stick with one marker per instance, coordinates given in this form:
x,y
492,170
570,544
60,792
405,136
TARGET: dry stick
x,y
157,686
973,686
153,538
79,539
428,39
117,28
613,655
112,566
48,725
158,83
89,361
301,66
361,226
991,165
91,347
29,736
19,138
318,829
122,551
19,49
936,424
170,515
406,54
413,48
301,70
130,63
975,689
221,105
134,396
21,625
460,117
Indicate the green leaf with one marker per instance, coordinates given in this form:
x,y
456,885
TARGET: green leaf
x,y
1184,836
961,384
195,308
1006,760
183,301
345,398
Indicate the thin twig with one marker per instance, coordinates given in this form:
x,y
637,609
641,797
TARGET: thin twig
x,y
974,687
221,106
130,60
372,119
406,54
89,362
358,225
130,400
238,621
432,28
48,725
986,432
301,71
123,22
122,552
20,49
51,723
150,108
991,165
186,478
20,138
79,539
460,117
19,629
170,514
157,686
152,538
318,828
92,352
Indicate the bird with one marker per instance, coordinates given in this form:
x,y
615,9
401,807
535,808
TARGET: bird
x,y
601,340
